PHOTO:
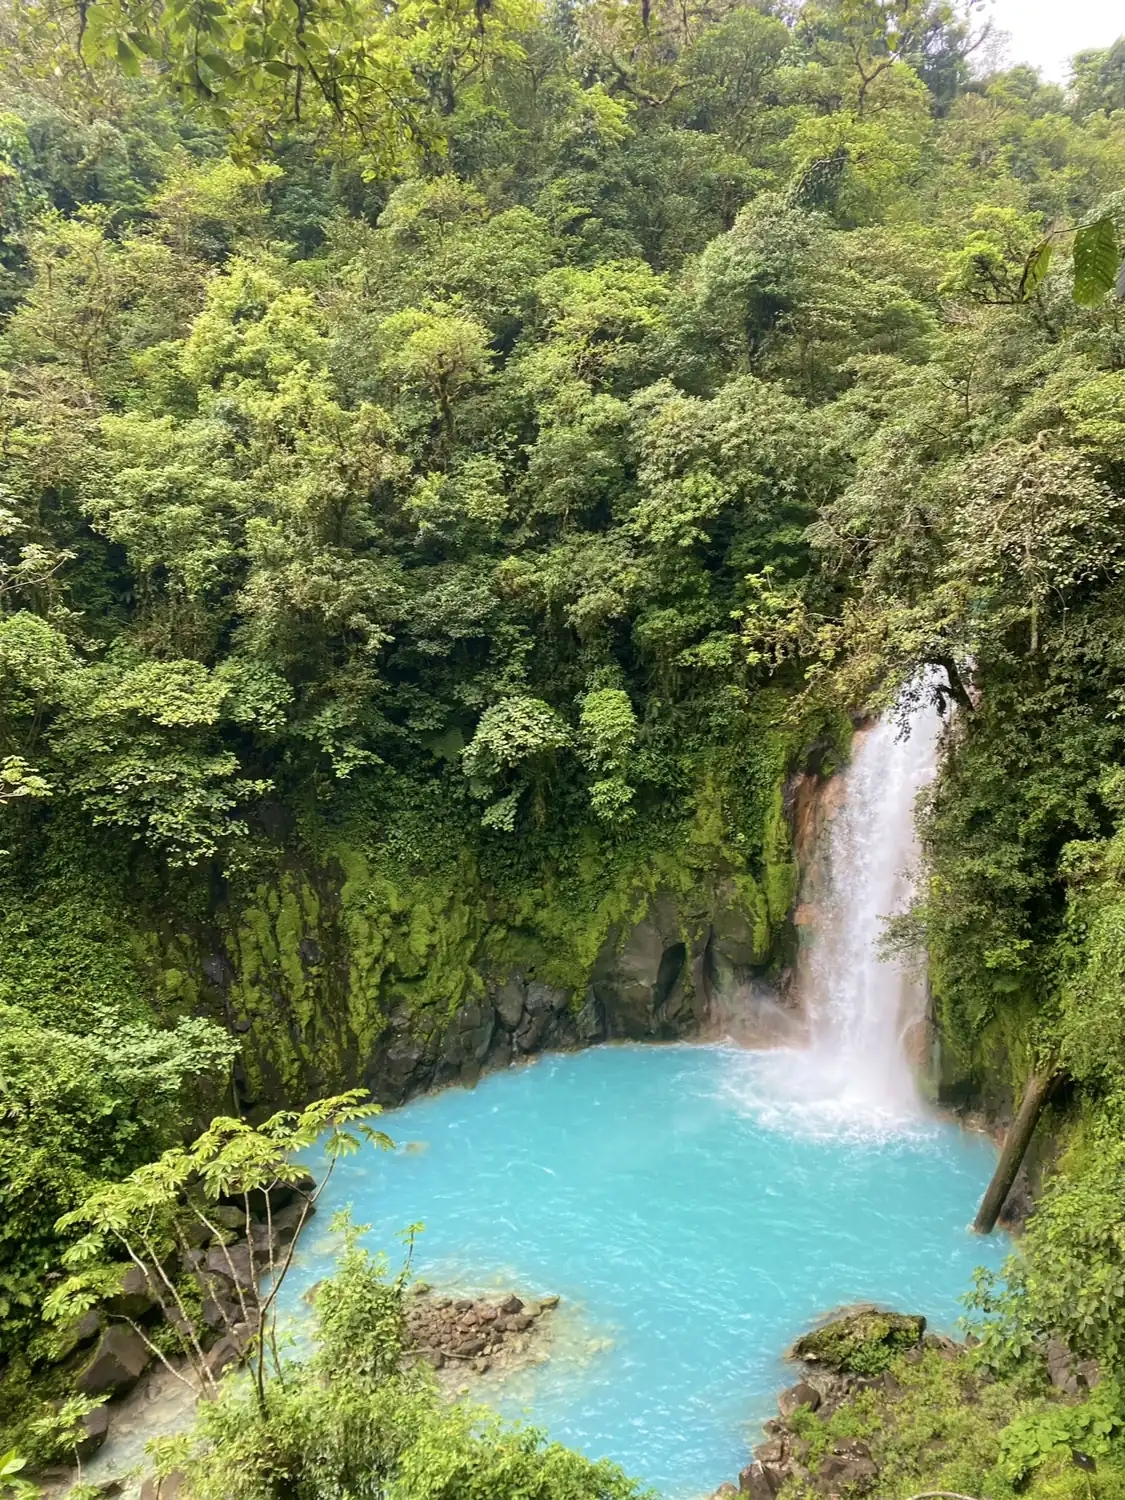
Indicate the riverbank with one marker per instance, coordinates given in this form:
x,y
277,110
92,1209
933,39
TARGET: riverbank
x,y
891,1414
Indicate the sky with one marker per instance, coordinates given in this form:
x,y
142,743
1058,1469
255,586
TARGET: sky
x,y
1047,33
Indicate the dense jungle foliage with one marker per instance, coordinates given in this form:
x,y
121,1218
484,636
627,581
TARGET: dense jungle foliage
x,y
505,440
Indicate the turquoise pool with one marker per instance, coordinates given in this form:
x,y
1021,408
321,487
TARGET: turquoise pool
x,y
692,1221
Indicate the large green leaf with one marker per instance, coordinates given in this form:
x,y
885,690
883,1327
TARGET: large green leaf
x,y
1096,258
1035,270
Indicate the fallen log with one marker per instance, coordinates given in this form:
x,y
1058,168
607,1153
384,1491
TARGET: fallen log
x,y
1039,1085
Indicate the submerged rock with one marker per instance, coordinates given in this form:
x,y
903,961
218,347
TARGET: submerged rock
x,y
467,1331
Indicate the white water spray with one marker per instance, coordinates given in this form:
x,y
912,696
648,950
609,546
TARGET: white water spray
x,y
855,1074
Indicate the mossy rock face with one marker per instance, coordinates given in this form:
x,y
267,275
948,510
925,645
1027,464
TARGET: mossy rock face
x,y
863,1342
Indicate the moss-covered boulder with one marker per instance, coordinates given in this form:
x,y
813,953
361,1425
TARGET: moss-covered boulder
x,y
862,1341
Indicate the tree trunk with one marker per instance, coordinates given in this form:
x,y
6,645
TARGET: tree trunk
x,y
1022,1128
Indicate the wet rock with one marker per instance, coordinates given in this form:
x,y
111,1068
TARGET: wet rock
x,y
499,1054
89,1325
464,1330
625,980
1089,1373
543,999
288,1220
589,1023
509,1001
77,1335
511,1304
400,1063
228,1216
801,1394
549,1302
264,1240
735,941
118,1362
531,1031
217,969
280,1195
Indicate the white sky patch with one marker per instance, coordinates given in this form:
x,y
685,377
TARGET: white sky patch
x,y
1047,33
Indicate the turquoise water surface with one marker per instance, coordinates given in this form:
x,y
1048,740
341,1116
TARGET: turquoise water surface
x,y
692,1222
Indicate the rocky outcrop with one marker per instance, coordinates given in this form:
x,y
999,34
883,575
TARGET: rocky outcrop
x,y
647,980
118,1362
847,1353
686,968
860,1341
474,1333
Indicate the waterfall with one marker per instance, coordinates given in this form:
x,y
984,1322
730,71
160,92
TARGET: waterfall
x,y
855,1072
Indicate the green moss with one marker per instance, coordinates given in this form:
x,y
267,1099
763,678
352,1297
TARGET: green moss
x,y
861,1343
940,1424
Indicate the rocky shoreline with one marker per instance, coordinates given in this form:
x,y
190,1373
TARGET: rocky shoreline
x,y
850,1352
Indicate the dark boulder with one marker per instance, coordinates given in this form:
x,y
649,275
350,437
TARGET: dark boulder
x,y
531,1031
232,1261
545,999
589,1022
288,1220
849,1468
116,1365
801,1394
137,1296
170,1488
280,1195
759,1481
509,1000
226,1352
219,1312
95,1430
